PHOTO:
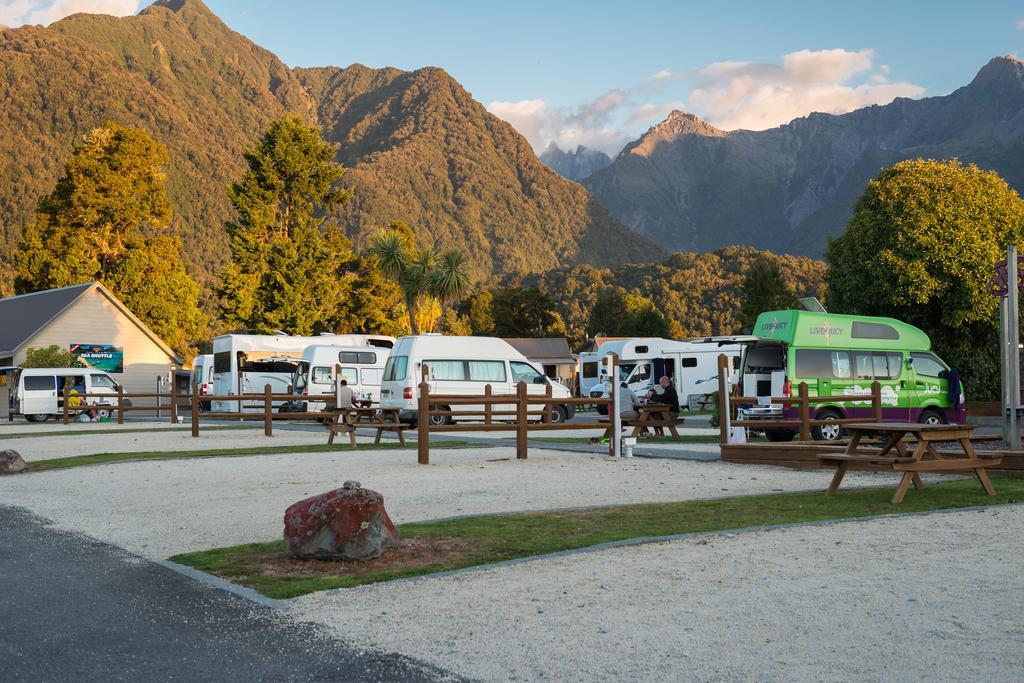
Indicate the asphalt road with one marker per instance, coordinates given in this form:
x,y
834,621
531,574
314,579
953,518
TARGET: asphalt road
x,y
74,609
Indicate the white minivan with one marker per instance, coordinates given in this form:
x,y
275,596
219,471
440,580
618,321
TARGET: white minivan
x,y
38,393
461,366
202,378
361,368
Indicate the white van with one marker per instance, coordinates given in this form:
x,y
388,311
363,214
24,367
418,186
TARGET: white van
x,y
361,368
691,365
202,378
38,393
462,366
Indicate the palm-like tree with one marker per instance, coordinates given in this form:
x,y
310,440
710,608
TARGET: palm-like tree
x,y
450,280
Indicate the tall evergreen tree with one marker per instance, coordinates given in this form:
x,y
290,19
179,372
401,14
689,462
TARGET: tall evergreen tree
x,y
94,226
764,288
289,270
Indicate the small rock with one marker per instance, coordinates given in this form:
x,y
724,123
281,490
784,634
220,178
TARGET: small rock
x,y
11,462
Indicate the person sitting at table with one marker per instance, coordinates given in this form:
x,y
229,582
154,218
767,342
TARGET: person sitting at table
x,y
345,396
628,403
667,396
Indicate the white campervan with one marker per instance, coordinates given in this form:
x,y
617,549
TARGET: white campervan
x,y
461,366
691,365
246,363
38,393
202,378
361,368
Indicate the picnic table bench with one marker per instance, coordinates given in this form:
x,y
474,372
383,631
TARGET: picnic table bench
x,y
346,420
924,458
654,416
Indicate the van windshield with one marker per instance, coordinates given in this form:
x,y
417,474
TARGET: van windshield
x,y
396,368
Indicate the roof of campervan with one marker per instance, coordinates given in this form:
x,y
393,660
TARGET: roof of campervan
x,y
811,329
468,348
285,342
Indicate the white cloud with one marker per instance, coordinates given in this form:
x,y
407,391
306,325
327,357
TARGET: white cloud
x,y
653,112
1020,24
588,124
19,12
734,95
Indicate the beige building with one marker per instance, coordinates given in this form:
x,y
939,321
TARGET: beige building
x,y
90,320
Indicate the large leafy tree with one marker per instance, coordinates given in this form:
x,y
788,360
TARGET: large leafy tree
x,y
99,224
763,288
619,313
50,357
290,269
525,312
921,247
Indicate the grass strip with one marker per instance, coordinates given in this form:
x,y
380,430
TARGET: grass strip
x,y
69,430
482,540
137,456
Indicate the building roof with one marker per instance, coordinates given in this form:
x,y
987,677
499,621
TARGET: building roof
x,y
552,350
22,317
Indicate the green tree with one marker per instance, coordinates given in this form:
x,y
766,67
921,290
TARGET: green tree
x,y
50,357
763,288
93,226
524,312
921,247
619,313
289,269
375,304
478,311
424,276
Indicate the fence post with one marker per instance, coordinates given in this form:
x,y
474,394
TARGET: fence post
x,y
724,407
337,384
487,404
268,411
547,406
195,415
65,410
615,410
159,383
174,403
423,425
521,418
805,413
120,405
876,401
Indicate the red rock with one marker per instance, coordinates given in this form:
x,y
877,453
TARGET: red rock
x,y
349,523
11,462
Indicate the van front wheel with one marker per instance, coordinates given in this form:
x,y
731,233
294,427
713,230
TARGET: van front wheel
x,y
932,417
827,432
41,417
438,420
557,415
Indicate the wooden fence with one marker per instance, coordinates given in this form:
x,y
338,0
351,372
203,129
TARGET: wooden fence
x,y
801,424
266,413
496,416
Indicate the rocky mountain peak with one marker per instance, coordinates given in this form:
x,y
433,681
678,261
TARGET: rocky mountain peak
x,y
999,74
678,125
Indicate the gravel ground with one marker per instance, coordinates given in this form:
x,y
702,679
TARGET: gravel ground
x,y
161,508
920,598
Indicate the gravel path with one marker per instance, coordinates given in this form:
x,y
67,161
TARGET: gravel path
x,y
921,598
165,507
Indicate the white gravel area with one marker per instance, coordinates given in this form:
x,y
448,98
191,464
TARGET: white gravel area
x,y
36,448
161,508
920,598
51,426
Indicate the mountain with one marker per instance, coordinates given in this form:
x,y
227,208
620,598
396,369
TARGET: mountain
x,y
690,186
418,147
574,165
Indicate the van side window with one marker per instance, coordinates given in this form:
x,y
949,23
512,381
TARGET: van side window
x,y
323,375
451,370
928,365
350,375
395,368
222,362
590,369
524,372
361,357
690,362
823,363
102,382
487,371
40,383
874,331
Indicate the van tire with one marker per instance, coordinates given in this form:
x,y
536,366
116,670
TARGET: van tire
x,y
438,420
931,417
827,432
41,417
779,435
557,415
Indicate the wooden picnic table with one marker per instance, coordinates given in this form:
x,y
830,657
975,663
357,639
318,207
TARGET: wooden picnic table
x,y
654,416
924,458
346,420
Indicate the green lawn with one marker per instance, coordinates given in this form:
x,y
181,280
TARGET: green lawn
x,y
135,456
494,538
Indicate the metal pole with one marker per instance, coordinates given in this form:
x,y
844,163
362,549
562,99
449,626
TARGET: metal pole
x,y
1013,327
1004,368
616,409
723,399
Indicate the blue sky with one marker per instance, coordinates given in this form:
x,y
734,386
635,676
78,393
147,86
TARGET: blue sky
x,y
577,71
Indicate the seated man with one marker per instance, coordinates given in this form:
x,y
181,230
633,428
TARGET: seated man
x,y
667,396
345,396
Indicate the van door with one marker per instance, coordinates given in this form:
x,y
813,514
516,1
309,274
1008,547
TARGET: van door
x,y
102,384
930,386
40,395
886,368
536,384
